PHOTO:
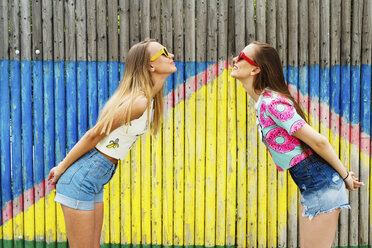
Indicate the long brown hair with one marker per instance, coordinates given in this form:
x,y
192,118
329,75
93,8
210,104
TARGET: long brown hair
x,y
272,76
136,81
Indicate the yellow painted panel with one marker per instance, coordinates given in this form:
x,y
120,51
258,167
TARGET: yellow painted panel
x,y
29,222
282,208
61,226
40,220
179,158
168,177
136,192
241,118
125,189
222,82
190,155
50,216
210,169
200,165
115,208
105,235
231,162
146,187
272,203
262,195
156,184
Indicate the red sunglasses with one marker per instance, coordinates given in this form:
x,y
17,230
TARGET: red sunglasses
x,y
245,57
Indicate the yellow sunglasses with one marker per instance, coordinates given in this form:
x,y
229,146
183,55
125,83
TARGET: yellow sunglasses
x,y
161,52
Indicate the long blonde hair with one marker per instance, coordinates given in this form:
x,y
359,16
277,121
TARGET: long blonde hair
x,y
136,81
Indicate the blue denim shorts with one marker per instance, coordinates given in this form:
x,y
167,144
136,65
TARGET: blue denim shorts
x,y
322,188
81,185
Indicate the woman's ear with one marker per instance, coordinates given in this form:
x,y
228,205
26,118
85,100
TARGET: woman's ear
x,y
151,68
255,71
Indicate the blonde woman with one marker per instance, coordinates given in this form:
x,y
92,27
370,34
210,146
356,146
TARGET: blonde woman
x,y
92,162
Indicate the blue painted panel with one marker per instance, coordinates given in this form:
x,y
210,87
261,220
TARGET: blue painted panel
x,y
16,142
27,151
102,84
49,158
38,116
346,92
335,89
71,104
92,93
179,75
6,190
355,94
113,77
303,82
60,111
365,120
82,98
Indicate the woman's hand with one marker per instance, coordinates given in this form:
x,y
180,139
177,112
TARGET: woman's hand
x,y
352,182
55,173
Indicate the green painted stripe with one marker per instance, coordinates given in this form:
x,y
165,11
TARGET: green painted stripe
x,y
40,244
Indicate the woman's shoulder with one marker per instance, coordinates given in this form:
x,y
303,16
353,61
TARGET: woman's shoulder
x,y
139,106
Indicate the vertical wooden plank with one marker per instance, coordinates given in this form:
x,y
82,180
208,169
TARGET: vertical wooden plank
x,y
231,176
262,150
314,54
38,113
168,130
102,94
222,85
157,155
49,145
324,92
335,81
136,150
345,108
241,98
261,20
250,24
146,144
16,128
145,19
27,149
293,87
113,77
92,62
190,123
81,67
5,163
281,45
356,44
211,126
134,28
365,125
60,100
124,167
71,94
201,66
179,124
272,197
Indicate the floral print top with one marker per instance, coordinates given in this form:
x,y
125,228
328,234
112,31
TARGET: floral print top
x,y
277,120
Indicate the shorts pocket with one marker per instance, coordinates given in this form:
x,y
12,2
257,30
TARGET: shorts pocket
x,y
336,181
99,171
67,176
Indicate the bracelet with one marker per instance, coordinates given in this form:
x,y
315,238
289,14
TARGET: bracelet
x,y
346,176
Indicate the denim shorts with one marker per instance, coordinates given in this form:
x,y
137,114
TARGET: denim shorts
x,y
322,188
81,185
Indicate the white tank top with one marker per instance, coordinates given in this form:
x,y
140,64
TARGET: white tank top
x,y
118,143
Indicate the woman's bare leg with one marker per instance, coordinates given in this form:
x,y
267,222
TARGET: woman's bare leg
x,y
320,231
98,220
79,227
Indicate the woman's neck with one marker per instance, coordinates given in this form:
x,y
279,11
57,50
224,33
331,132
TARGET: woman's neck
x,y
248,85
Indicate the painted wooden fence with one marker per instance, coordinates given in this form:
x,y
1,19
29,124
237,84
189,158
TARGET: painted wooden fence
x,y
206,180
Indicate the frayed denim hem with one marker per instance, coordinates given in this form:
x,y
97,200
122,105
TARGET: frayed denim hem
x,y
304,214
